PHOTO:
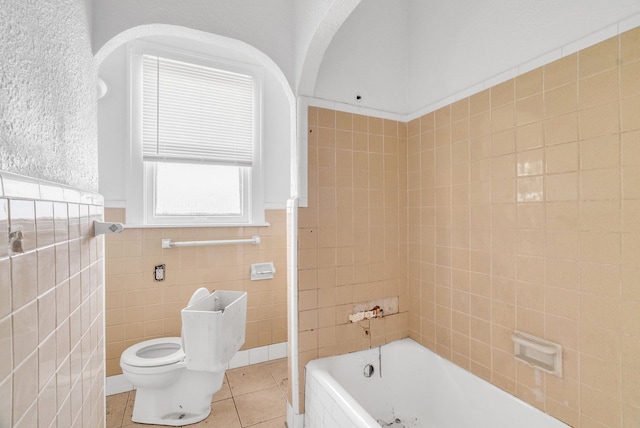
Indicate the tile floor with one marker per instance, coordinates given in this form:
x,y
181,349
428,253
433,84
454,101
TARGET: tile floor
x,y
251,396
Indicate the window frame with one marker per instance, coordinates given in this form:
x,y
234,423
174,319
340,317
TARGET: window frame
x,y
151,218
140,174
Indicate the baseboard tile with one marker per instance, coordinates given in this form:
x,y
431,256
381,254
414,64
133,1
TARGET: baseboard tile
x,y
117,384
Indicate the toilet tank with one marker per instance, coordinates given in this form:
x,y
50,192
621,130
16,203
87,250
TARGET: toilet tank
x,y
213,330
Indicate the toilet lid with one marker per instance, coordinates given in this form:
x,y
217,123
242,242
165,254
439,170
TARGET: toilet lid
x,y
154,352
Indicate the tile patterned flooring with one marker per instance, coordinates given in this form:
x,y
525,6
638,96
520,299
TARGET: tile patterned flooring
x,y
252,396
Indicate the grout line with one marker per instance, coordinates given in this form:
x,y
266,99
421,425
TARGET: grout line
x,y
124,410
233,398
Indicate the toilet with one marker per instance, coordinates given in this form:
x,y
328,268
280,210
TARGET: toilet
x,y
176,377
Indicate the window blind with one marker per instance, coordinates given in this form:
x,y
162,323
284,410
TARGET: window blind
x,y
196,113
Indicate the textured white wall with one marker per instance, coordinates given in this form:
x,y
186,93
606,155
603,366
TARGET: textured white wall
x,y
47,92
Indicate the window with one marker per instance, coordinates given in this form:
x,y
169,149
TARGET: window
x,y
196,139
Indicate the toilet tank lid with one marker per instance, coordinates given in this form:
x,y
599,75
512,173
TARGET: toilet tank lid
x,y
199,294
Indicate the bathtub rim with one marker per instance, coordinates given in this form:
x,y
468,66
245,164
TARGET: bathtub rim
x,y
340,394
322,373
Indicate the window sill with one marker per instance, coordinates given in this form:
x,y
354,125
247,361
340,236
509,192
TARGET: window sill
x,y
186,225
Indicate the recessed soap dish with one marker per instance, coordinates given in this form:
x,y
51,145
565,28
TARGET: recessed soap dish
x,y
538,353
261,271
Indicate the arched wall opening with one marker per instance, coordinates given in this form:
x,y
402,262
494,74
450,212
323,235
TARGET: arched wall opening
x,y
268,303
278,98
281,148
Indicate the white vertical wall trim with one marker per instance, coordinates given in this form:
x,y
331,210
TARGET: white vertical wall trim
x,y
302,141
292,299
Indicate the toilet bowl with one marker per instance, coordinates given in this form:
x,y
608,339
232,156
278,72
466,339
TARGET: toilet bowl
x,y
176,377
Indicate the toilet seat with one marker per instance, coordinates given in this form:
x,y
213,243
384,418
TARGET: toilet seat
x,y
154,352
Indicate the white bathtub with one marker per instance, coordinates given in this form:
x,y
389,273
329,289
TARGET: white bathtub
x,y
410,387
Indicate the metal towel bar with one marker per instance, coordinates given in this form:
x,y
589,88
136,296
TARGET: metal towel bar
x,y
166,243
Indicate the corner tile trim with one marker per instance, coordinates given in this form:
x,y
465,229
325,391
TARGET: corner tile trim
x,y
23,187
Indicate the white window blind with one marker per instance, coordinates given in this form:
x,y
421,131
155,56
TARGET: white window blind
x,y
196,113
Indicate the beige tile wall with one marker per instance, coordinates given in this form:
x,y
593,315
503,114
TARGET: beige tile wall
x,y
139,308
524,214
51,312
352,237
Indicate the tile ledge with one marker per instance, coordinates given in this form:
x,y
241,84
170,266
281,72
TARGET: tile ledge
x,y
24,187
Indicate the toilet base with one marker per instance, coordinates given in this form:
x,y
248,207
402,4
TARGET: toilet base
x,y
172,419
186,402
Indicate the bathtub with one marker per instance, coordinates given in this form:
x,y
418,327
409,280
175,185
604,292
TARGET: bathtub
x,y
408,386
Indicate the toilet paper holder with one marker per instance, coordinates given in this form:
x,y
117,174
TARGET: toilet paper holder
x,y
262,271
